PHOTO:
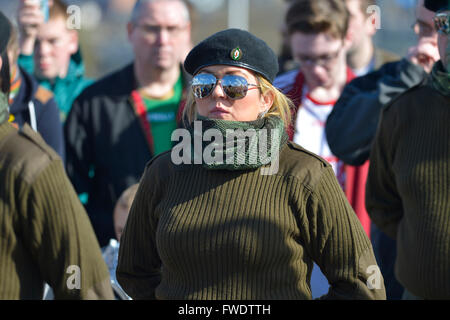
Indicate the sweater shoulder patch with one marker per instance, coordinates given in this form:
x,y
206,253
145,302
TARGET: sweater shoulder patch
x,y
38,141
155,158
294,146
43,95
28,154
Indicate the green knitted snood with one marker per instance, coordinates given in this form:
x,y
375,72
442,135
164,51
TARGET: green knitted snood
x,y
3,108
236,145
440,79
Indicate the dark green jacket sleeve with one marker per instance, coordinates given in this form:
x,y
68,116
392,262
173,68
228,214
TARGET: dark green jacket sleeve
x,y
338,244
383,203
61,238
139,266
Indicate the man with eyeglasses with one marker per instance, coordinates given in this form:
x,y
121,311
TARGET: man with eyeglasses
x,y
408,184
358,107
351,125
123,120
318,41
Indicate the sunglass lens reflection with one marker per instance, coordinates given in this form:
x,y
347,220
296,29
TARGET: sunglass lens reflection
x,y
235,87
442,23
203,85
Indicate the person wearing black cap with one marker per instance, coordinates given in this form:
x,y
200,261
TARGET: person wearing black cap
x,y
408,188
46,235
236,221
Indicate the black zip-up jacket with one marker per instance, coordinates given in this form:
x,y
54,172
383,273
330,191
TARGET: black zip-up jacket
x,y
36,106
106,148
352,124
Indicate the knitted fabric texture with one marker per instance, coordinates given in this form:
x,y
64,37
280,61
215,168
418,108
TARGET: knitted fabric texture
x,y
3,108
241,145
440,79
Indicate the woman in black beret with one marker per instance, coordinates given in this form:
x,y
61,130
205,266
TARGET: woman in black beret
x,y
234,210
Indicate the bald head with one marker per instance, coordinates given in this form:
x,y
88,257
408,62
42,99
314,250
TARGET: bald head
x,y
138,9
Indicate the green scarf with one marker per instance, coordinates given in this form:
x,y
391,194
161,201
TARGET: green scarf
x,y
236,145
4,113
440,79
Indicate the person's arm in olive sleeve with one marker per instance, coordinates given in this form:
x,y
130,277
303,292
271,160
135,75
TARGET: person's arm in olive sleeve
x,y
338,244
352,124
139,266
383,202
61,239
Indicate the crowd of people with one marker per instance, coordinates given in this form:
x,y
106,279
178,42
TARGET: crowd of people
x,y
351,186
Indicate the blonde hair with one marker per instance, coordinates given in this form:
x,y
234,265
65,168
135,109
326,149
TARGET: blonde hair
x,y
282,106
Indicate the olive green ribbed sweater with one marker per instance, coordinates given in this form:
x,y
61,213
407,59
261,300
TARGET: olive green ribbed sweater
x,y
44,229
194,233
408,189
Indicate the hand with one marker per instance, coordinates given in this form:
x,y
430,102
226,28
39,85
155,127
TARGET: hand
x,y
424,54
29,18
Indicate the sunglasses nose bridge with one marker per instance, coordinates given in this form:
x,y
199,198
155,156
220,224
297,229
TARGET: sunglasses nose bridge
x,y
218,86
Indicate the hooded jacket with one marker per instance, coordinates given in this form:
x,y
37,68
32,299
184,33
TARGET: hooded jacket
x,y
65,89
36,106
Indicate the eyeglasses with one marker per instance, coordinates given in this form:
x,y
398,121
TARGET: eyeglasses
x,y
323,60
423,30
154,30
442,23
234,86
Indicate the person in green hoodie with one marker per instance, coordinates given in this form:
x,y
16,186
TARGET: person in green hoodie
x,y
50,51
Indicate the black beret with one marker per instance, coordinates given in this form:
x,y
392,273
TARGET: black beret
x,y
233,47
436,5
5,32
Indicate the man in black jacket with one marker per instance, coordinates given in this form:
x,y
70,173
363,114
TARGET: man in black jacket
x,y
351,126
120,122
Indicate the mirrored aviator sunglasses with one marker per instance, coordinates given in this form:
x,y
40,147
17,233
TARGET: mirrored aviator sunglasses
x,y
442,23
234,86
